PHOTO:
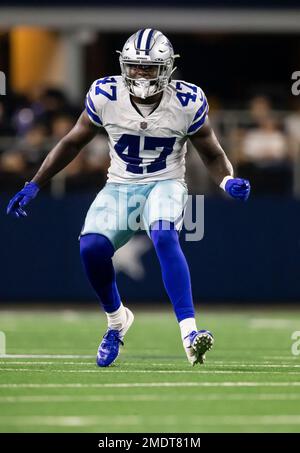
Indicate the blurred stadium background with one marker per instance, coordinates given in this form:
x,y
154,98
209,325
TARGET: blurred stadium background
x,y
243,54
243,59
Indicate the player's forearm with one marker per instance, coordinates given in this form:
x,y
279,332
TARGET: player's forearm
x,y
212,153
214,157
219,167
58,158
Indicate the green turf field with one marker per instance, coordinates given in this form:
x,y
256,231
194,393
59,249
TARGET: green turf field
x,y
250,382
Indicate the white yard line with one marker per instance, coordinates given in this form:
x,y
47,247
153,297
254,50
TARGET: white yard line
x,y
46,356
114,370
271,323
151,398
280,357
245,364
156,384
70,420
265,360
210,364
38,362
205,420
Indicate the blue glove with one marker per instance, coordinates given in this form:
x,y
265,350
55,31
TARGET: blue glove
x,y
238,188
21,199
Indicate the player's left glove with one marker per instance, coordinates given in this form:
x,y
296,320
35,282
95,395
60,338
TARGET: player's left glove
x,y
21,199
238,188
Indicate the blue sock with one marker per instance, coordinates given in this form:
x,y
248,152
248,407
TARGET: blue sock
x,y
96,252
174,268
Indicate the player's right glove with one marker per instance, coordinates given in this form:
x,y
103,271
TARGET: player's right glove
x,y
21,199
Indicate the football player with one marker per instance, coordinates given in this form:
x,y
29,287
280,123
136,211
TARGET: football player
x,y
148,117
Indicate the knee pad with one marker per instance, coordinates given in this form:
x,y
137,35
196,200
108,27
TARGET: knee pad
x,y
95,245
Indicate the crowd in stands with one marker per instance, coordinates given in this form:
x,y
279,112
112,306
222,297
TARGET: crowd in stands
x,y
262,143
28,131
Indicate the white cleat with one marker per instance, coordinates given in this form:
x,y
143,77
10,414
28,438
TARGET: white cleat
x,y
127,325
196,344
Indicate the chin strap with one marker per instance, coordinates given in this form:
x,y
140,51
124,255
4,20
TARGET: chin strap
x,y
142,88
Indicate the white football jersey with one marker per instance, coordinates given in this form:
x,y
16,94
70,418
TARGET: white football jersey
x,y
151,148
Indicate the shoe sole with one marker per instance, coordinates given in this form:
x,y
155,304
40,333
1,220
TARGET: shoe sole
x,y
202,343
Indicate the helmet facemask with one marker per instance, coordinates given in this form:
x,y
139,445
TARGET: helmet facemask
x,y
144,87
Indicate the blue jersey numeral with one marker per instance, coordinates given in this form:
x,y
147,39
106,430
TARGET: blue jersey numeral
x,y
112,96
128,148
131,143
151,143
186,96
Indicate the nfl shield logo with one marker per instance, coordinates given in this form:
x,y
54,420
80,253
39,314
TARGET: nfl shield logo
x,y
143,125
